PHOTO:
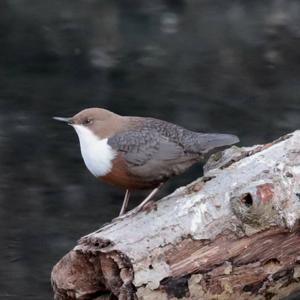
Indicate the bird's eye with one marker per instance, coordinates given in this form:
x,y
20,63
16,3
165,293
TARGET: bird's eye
x,y
87,121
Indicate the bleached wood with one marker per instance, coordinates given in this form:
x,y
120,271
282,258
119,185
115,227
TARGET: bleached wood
x,y
228,234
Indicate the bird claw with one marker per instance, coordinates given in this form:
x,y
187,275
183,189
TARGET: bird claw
x,y
148,207
151,205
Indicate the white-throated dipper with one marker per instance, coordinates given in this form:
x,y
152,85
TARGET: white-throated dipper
x,y
137,152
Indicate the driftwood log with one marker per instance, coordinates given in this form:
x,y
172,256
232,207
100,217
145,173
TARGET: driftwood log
x,y
232,234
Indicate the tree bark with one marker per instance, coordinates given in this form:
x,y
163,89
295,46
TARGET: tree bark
x,y
234,233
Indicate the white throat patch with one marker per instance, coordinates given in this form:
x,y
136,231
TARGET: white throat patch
x,y
96,153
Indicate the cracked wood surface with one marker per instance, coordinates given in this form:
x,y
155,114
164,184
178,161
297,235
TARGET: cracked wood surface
x,y
232,233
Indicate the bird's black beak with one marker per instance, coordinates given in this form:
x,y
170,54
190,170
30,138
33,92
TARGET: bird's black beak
x,y
66,120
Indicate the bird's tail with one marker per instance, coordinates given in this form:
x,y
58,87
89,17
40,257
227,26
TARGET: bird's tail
x,y
207,144
216,142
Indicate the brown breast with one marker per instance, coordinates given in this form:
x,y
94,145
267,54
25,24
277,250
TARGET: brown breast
x,y
120,176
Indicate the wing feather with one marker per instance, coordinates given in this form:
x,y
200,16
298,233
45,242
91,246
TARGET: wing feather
x,y
139,147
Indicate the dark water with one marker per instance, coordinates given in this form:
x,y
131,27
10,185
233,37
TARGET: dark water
x,y
216,66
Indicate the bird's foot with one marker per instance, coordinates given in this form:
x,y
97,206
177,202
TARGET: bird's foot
x,y
147,204
151,205
148,207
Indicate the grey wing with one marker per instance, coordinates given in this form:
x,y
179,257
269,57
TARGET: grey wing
x,y
152,156
140,147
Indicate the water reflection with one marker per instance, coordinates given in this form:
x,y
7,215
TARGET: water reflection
x,y
229,67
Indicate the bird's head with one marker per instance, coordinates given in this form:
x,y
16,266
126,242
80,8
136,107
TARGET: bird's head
x,y
100,121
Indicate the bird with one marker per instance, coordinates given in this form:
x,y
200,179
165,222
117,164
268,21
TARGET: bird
x,y
139,153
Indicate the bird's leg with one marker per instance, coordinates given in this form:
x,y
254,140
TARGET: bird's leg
x,y
125,203
147,199
140,206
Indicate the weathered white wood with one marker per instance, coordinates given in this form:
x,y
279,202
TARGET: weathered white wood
x,y
243,194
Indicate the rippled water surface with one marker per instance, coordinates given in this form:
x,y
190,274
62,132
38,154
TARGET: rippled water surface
x,y
231,66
